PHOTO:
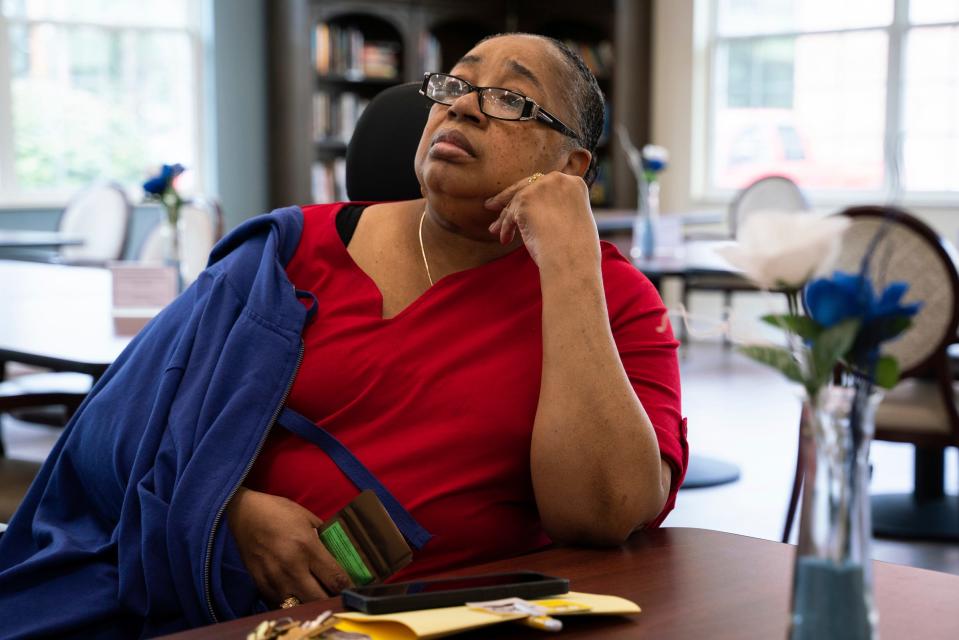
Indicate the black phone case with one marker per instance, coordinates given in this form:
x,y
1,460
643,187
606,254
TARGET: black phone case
x,y
402,601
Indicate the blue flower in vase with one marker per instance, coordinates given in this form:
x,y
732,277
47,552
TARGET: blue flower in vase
x,y
847,296
162,181
654,159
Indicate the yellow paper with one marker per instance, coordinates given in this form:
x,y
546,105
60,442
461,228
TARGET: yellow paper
x,y
436,623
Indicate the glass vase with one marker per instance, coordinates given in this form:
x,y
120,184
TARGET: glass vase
x,y
832,576
645,224
171,234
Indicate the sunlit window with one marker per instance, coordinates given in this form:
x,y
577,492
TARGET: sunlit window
x,y
853,96
95,90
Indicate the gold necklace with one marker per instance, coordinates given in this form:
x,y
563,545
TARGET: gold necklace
x,y
423,249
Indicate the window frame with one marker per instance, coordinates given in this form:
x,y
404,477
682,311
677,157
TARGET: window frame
x,y
11,197
897,32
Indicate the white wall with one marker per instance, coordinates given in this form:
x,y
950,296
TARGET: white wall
x,y
678,52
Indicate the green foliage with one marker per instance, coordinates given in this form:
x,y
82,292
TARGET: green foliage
x,y
777,358
803,326
887,372
829,348
69,138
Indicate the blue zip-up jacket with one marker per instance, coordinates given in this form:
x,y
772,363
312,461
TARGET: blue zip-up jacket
x,y
123,533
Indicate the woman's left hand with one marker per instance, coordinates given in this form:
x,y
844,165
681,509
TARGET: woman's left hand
x,y
554,219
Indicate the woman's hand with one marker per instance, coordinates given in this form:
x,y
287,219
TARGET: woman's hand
x,y
554,219
281,550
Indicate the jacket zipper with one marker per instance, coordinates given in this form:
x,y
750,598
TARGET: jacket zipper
x,y
219,514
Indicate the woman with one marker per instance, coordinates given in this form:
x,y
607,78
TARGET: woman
x,y
508,378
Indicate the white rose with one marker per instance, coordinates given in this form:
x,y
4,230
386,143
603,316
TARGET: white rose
x,y
784,248
655,152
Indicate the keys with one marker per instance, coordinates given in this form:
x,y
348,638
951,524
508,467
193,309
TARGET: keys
x,y
289,629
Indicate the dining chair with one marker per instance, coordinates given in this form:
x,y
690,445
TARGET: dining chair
x,y
15,479
16,475
923,409
772,192
100,216
201,227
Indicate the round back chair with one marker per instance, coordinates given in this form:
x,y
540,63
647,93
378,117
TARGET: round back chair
x,y
101,216
771,192
912,252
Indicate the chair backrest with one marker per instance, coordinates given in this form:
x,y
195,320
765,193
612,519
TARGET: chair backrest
x,y
100,215
910,251
771,192
379,159
201,226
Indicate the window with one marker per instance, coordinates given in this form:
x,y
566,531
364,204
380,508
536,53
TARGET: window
x,y
853,96
95,89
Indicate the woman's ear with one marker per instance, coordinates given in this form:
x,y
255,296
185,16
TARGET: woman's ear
x,y
577,162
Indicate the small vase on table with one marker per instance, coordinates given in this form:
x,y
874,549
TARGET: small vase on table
x,y
832,594
645,224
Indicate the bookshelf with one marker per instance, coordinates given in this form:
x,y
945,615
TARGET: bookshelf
x,y
328,59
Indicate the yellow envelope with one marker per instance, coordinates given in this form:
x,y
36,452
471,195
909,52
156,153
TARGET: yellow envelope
x,y
436,623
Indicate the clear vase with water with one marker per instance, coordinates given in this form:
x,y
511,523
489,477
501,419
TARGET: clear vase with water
x,y
646,222
171,238
832,576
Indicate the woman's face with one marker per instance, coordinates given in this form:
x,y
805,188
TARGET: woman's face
x,y
498,152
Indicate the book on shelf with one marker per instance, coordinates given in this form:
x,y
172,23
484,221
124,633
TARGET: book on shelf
x,y
343,51
430,53
598,56
329,180
600,194
335,115
381,60
607,123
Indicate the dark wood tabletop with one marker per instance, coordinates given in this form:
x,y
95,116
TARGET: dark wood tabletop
x,y
690,583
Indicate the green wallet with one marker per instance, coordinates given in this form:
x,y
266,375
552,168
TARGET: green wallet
x,y
364,540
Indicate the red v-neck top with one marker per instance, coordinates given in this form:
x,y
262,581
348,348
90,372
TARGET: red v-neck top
x,y
439,401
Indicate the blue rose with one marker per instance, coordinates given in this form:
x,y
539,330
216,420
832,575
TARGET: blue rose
x,y
655,158
654,164
846,296
162,181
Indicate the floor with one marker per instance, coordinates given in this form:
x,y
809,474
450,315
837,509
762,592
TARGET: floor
x,y
739,412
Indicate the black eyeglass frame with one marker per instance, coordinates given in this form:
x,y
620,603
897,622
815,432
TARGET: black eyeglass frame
x,y
531,109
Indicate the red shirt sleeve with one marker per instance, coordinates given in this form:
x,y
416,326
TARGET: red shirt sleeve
x,y
648,351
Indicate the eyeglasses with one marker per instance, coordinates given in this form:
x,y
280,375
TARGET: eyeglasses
x,y
502,104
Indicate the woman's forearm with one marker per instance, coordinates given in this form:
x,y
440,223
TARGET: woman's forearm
x,y
596,466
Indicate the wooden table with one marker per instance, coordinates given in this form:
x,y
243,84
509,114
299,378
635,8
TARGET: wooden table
x,y
691,583
57,316
28,239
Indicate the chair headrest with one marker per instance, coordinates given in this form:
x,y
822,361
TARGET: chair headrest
x,y
379,159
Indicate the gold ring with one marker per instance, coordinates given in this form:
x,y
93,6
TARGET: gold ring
x,y
290,601
533,178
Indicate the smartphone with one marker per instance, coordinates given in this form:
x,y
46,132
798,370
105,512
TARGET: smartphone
x,y
452,592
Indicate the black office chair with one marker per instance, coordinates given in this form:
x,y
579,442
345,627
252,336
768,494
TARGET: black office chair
x,y
379,158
